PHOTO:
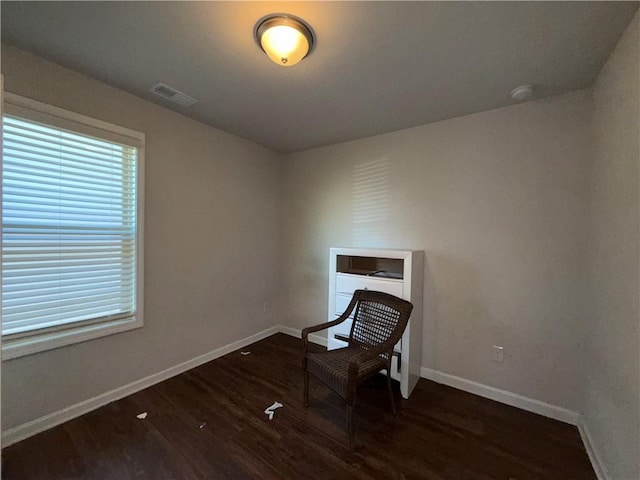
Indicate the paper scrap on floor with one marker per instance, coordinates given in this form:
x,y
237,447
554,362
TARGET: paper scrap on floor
x,y
271,410
142,415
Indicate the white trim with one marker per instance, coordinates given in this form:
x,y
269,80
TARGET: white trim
x,y
592,451
26,430
296,332
1,181
48,339
27,345
528,404
502,396
140,206
66,119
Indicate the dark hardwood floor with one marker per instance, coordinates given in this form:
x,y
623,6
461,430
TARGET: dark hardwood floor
x,y
209,423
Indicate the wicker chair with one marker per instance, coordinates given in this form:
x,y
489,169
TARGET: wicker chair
x,y
378,324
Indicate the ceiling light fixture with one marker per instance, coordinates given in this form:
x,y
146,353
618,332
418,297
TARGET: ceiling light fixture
x,y
284,38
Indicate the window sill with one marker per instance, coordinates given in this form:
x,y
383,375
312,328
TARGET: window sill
x,y
24,346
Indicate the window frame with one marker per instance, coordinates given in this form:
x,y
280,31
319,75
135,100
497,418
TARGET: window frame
x,y
27,343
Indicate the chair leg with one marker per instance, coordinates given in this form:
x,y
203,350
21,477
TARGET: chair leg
x,y
350,424
306,389
391,399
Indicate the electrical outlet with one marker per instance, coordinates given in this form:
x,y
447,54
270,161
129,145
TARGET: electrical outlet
x,y
266,307
497,353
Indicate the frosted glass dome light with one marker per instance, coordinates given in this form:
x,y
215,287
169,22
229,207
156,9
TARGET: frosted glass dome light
x,y
285,39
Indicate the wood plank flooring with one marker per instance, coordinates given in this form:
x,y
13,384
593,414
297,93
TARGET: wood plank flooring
x,y
208,423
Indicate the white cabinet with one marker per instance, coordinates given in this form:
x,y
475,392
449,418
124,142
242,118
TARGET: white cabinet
x,y
398,272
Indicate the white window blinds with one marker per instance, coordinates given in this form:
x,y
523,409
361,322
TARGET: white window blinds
x,y
68,227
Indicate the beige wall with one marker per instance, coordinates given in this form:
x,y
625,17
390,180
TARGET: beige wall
x,y
497,201
511,211
211,245
612,406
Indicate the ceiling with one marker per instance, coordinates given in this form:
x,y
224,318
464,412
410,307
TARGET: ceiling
x,y
377,67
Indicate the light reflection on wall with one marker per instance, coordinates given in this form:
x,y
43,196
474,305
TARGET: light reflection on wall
x,y
371,195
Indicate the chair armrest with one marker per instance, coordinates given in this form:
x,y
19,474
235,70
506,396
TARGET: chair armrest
x,y
315,328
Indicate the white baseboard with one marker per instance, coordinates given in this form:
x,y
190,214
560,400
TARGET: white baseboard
x,y
41,424
592,452
502,396
296,332
528,404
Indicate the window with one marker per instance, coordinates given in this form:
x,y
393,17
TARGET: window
x,y
71,228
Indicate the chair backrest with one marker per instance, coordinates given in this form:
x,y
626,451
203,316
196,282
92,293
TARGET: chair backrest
x,y
379,318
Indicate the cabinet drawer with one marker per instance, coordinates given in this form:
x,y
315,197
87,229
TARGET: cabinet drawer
x,y
347,284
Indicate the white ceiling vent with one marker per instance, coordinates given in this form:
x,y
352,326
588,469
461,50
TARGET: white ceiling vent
x,y
173,95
